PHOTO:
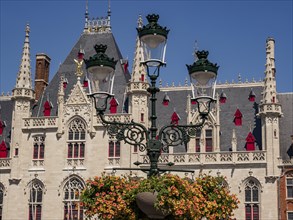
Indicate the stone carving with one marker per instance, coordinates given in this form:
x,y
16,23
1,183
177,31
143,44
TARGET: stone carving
x,y
22,105
77,104
14,181
77,96
79,63
271,179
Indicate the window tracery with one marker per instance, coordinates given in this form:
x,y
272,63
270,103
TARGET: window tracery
x,y
252,200
35,200
71,198
76,139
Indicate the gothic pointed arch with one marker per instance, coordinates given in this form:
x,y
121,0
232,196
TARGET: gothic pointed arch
x,y
36,192
72,188
76,137
252,200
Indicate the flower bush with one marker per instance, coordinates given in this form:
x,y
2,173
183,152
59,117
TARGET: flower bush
x,y
105,197
111,197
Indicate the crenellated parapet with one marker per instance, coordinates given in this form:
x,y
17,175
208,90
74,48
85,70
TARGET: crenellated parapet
x,y
98,25
123,118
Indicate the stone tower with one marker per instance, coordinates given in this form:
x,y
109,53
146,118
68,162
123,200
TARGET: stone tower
x,y
270,111
23,98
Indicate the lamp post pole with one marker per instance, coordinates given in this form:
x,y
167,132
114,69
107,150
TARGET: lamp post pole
x,y
101,69
154,146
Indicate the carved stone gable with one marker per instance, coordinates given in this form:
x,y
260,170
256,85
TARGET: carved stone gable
x,y
77,104
77,96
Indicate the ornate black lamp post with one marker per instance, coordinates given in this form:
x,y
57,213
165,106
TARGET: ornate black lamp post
x,y
153,38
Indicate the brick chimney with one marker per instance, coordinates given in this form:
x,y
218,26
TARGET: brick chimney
x,y
42,73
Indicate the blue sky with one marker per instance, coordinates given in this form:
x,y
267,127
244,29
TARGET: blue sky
x,y
234,32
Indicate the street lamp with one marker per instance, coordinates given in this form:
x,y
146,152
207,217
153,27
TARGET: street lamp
x,y
153,38
100,71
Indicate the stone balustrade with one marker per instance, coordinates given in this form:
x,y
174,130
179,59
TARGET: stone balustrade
x,y
42,122
123,117
288,162
239,157
5,164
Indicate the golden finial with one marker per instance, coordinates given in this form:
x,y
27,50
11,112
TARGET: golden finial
x,y
79,71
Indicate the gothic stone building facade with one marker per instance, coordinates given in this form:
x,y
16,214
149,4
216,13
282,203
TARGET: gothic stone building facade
x,y
51,140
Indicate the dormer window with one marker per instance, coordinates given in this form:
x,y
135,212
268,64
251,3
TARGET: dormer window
x,y
166,100
47,108
113,105
250,142
125,66
223,97
251,96
175,118
238,118
85,82
65,82
3,150
193,101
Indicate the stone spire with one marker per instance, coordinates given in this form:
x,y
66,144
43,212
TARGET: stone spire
x,y
23,87
24,75
270,93
270,111
138,71
269,104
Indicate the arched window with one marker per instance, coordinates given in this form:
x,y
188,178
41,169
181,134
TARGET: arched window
x,y
76,139
35,200
72,190
252,201
1,199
